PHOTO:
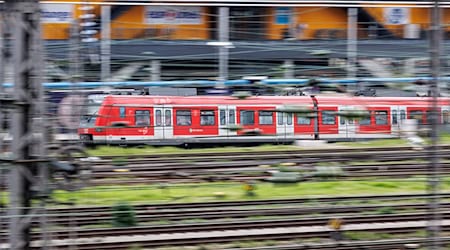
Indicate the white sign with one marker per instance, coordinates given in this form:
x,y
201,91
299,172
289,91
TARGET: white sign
x,y
396,16
173,15
56,13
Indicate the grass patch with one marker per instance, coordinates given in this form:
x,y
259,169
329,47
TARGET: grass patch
x,y
119,151
108,195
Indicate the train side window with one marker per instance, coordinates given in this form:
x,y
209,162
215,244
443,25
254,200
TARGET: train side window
x,y
303,120
158,118
223,117
328,118
265,117
445,117
280,118
142,117
207,117
289,118
429,117
342,120
416,114
184,117
402,115
381,117
167,118
122,112
365,120
394,117
247,117
231,116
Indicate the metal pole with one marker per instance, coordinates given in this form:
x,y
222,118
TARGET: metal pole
x,y
106,43
74,63
155,70
433,226
352,33
223,50
288,68
3,61
28,117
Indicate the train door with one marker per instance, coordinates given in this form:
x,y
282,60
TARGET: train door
x,y
398,114
163,122
227,118
347,125
285,125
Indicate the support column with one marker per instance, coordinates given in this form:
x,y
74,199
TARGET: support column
x,y
433,225
288,67
155,70
28,117
106,44
352,34
223,50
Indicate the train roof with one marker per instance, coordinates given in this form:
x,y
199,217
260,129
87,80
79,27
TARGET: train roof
x,y
266,100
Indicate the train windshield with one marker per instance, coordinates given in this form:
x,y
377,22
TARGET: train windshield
x,y
89,116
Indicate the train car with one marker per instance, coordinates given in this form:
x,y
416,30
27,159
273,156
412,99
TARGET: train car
x,y
174,120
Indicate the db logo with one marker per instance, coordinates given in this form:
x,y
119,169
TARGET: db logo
x,y
143,131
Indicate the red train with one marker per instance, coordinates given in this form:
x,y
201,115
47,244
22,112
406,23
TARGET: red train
x,y
164,120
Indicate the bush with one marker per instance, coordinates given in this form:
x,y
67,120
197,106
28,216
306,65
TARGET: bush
x,y
123,215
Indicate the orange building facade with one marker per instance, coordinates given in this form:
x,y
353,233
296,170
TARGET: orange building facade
x,y
246,23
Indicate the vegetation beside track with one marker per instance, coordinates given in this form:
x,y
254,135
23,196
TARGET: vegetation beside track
x,y
159,193
142,150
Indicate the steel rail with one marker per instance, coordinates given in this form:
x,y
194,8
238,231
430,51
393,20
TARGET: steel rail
x,y
229,236
236,225
147,216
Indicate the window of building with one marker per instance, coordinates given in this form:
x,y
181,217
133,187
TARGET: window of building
x,y
122,112
168,118
265,117
394,117
328,118
158,118
303,120
184,117
142,118
247,117
231,116
207,117
381,117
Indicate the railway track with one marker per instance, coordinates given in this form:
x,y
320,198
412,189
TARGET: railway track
x,y
154,214
274,230
239,225
390,162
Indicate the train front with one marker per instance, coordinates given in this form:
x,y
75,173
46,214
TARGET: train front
x,y
89,131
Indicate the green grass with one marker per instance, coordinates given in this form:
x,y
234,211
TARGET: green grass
x,y
124,151
108,195
121,151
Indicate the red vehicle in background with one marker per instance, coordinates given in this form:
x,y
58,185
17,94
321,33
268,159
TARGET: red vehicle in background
x,y
175,120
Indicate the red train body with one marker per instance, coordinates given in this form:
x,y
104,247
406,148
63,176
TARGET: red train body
x,y
207,119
